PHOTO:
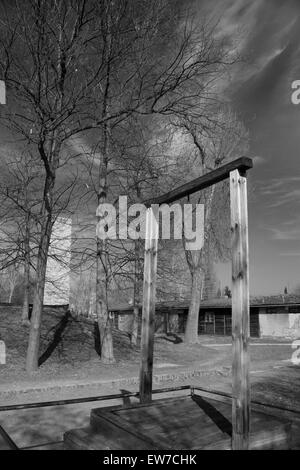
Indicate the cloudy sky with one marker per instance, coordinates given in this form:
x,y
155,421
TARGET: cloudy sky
x,y
268,35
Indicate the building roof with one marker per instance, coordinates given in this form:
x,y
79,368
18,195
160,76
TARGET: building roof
x,y
280,299
222,302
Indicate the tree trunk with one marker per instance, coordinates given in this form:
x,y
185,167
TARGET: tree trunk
x,y
25,308
191,330
136,293
196,261
38,295
11,291
104,320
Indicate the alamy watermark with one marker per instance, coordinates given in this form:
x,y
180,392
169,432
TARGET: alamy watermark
x,y
2,352
174,221
295,97
2,92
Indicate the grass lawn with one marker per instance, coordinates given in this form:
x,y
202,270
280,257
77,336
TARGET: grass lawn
x,y
75,360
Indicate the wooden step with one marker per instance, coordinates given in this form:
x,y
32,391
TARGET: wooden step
x,y
277,438
89,439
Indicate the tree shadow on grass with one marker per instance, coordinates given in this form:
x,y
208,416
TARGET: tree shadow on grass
x,y
173,338
97,340
57,337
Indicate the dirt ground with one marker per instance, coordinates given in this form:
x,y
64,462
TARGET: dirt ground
x,y
167,356
75,359
274,379
75,356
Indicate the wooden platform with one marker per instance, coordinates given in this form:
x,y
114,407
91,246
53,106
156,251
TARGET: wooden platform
x,y
3,444
190,422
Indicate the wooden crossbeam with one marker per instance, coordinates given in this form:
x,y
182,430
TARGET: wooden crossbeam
x,y
242,164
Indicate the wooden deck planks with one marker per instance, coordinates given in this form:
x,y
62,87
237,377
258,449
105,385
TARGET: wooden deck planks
x,y
88,439
3,444
187,423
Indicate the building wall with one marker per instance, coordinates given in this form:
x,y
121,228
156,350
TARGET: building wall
x,y
294,324
57,286
169,323
125,322
279,324
262,324
174,322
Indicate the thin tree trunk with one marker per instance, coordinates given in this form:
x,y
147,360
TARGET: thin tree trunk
x,y
38,295
104,320
135,326
11,291
25,308
191,329
196,262
136,294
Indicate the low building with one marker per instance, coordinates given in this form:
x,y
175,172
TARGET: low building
x,y
277,316
57,284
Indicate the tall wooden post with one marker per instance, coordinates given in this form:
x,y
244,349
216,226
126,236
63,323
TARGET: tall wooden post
x,y
148,316
240,312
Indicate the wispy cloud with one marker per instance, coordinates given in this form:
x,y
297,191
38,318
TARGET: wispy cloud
x,y
280,192
286,198
292,254
80,148
258,160
285,234
285,230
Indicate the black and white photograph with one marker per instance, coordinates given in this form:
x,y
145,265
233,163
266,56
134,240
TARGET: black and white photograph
x,y
149,228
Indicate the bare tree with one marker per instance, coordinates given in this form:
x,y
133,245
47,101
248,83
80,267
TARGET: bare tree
x,y
75,67
148,85
20,196
43,60
223,141
10,278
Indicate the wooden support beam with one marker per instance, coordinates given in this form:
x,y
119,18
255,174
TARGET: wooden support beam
x,y
148,316
240,311
219,174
